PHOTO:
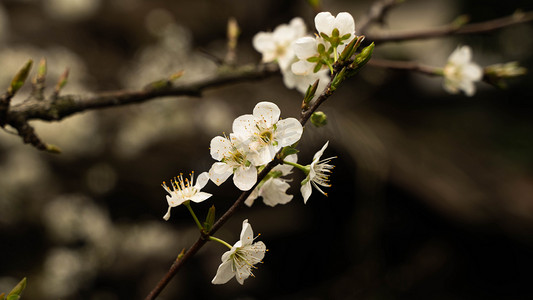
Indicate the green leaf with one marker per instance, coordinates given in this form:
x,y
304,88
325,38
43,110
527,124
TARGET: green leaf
x,y
19,78
210,219
17,290
288,151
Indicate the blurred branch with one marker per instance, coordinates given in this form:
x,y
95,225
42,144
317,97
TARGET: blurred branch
x,y
404,65
452,29
58,106
376,13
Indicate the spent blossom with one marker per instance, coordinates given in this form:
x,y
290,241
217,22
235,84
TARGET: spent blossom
x,y
241,259
182,190
318,174
460,72
264,133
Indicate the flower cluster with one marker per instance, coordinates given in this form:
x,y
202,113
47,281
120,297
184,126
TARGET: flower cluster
x,y
255,140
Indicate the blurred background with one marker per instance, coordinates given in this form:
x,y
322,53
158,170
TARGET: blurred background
x,y
432,193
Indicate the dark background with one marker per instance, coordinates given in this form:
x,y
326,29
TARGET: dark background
x,y
432,193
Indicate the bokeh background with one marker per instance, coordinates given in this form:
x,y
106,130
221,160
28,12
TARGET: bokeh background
x,y
432,193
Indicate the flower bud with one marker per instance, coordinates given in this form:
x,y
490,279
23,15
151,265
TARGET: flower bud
x,y
319,119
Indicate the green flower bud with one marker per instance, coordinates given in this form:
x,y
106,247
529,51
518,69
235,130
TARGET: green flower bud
x,y
319,119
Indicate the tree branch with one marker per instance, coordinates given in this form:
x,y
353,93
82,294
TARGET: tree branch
x,y
452,29
404,65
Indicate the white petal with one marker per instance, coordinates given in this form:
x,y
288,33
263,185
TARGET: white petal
x,y
472,72
264,42
167,215
202,180
344,23
256,251
245,178
200,196
243,127
263,155
219,147
324,22
224,272
274,192
305,47
306,191
267,111
173,200
302,67
297,24
317,155
219,173
247,234
289,132
251,198
461,55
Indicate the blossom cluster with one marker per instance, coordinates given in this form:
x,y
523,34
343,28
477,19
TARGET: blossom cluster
x,y
302,58
255,141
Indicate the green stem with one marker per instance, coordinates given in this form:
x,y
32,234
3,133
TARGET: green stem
x,y
188,205
212,238
305,169
335,54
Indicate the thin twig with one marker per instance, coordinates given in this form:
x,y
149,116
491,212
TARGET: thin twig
x,y
452,29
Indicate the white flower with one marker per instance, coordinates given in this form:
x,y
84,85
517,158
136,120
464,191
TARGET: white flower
x,y
276,45
274,189
184,190
318,174
264,133
460,73
242,257
325,23
232,156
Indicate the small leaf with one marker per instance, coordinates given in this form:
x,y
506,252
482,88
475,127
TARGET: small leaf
x,y
17,290
210,219
19,78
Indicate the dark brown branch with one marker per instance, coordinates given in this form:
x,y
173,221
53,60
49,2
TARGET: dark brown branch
x,y
452,29
67,105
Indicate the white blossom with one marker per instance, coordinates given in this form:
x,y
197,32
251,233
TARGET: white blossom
x,y
241,259
232,155
276,45
302,82
460,72
264,133
274,188
319,172
325,23
182,190
305,48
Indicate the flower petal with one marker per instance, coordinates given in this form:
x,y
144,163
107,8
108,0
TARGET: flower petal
x,y
274,191
202,180
167,215
219,147
268,112
224,272
243,127
305,47
200,196
245,177
247,234
219,173
306,191
302,67
324,22
264,42
344,23
289,131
